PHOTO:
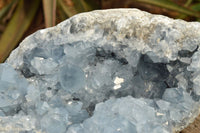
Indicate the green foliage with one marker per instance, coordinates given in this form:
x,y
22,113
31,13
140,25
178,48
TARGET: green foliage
x,y
196,7
69,10
17,26
26,10
6,8
172,6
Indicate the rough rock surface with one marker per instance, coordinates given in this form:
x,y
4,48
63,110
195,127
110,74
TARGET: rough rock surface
x,y
104,71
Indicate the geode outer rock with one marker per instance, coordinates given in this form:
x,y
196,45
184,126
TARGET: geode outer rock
x,y
109,71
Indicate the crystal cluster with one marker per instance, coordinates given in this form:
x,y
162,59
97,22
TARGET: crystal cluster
x,y
108,71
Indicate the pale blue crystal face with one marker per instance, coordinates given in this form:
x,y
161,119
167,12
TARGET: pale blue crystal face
x,y
114,71
55,120
72,78
12,89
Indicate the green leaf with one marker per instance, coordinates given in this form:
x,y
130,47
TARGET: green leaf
x,y
188,2
90,5
196,7
69,10
61,16
78,4
172,6
85,5
7,8
183,16
17,26
49,7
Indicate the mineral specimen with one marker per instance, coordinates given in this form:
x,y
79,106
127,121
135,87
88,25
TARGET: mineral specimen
x,y
109,71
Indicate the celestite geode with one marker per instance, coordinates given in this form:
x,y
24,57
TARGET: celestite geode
x,y
108,71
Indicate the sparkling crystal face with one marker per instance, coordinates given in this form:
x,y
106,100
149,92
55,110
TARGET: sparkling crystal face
x,y
105,73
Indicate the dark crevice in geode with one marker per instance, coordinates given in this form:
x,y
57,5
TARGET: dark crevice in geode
x,y
188,74
186,53
101,55
151,71
155,74
90,109
26,71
